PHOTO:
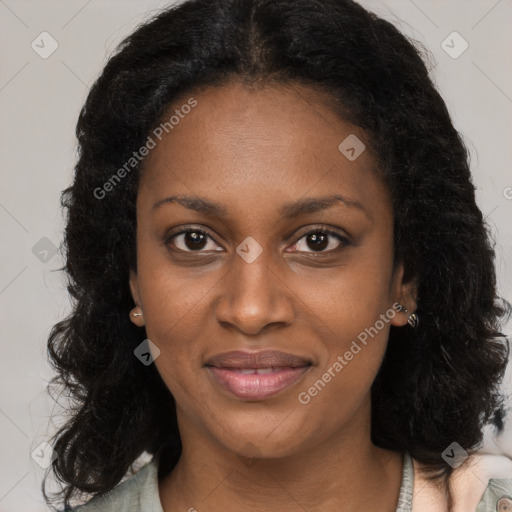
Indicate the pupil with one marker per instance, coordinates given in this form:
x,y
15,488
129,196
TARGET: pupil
x,y
318,241
194,240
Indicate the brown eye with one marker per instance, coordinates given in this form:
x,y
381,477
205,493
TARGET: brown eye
x,y
191,240
319,240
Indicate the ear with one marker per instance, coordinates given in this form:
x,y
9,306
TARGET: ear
x,y
134,289
406,294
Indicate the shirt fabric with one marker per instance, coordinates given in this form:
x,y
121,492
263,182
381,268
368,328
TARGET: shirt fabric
x,y
139,493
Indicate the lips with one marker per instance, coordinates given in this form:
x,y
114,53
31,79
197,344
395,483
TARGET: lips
x,y
254,360
259,375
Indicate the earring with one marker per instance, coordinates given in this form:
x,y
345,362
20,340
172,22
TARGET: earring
x,y
400,308
412,319
135,315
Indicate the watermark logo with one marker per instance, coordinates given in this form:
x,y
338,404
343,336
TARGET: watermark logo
x,y
249,249
454,45
44,45
147,352
351,147
44,455
454,455
44,250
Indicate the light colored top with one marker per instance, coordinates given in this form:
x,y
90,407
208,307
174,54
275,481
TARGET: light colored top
x,y
139,493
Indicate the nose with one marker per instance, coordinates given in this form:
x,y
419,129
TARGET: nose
x,y
254,296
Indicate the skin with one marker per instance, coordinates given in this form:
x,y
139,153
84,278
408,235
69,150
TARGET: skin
x,y
253,151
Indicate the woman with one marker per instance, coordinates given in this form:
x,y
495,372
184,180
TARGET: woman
x,y
284,289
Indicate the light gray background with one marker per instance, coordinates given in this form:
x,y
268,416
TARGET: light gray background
x,y
40,100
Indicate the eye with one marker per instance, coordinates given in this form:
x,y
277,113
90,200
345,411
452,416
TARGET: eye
x,y
191,240
319,240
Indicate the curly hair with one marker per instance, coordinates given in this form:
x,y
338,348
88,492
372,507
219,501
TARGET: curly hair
x,y
437,384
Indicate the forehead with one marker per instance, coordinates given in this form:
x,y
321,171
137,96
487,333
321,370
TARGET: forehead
x,y
243,144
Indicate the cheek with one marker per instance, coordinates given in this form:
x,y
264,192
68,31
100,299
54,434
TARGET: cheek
x,y
170,308
175,322
340,385
350,298
173,298
352,310
176,316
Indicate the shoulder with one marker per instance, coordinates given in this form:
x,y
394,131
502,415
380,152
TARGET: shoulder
x,y
488,480
496,472
138,492
482,484
497,496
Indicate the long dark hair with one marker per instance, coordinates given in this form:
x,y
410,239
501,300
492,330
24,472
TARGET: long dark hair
x,y
437,384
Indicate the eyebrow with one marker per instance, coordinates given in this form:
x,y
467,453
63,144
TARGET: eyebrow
x,y
287,211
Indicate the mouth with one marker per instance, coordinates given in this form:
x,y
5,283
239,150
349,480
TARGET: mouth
x,y
257,376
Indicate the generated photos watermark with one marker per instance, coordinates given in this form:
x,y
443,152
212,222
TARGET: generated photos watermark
x,y
143,151
305,397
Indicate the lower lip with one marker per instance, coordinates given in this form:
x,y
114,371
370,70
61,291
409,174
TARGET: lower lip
x,y
257,386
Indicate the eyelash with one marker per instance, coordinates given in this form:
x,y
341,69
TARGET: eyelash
x,y
344,241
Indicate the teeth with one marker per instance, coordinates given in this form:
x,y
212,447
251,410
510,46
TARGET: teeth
x,y
249,371
265,370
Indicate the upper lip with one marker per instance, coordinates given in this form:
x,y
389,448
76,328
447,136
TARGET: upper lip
x,y
262,359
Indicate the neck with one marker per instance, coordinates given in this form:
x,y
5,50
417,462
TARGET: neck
x,y
345,472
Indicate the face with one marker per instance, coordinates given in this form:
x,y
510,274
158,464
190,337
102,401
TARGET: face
x,y
253,258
